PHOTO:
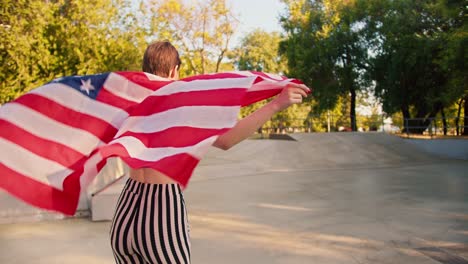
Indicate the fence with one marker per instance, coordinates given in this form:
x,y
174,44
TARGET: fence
x,y
326,123
435,126
382,123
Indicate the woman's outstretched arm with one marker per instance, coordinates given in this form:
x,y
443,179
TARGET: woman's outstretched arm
x,y
290,95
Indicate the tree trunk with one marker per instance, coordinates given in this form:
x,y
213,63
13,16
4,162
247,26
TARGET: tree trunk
x,y
220,58
465,118
353,109
406,117
202,52
444,120
457,119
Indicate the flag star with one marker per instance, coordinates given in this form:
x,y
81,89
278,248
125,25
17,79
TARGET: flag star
x,y
86,86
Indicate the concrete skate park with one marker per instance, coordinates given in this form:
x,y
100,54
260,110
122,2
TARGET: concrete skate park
x,y
303,198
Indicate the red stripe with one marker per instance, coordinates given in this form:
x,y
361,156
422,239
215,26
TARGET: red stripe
x,y
67,116
177,167
225,75
101,165
221,97
111,99
48,149
266,76
256,96
176,137
297,81
39,194
141,79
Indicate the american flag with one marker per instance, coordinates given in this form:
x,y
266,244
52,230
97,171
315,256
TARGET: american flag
x,y
55,139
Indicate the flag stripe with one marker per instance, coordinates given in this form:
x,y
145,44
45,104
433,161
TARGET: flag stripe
x,y
256,96
37,193
216,76
168,166
28,163
76,101
111,99
268,76
136,149
47,149
192,116
268,85
69,117
176,137
122,87
156,104
42,126
145,80
203,85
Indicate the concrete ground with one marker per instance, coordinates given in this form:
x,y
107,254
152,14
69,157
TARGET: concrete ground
x,y
325,198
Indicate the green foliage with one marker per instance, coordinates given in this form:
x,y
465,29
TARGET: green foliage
x,y
419,62
325,48
201,30
42,40
413,52
258,51
24,54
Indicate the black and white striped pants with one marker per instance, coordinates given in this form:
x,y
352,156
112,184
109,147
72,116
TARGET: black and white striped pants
x,y
150,225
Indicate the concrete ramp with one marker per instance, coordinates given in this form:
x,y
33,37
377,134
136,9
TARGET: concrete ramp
x,y
312,152
307,152
324,198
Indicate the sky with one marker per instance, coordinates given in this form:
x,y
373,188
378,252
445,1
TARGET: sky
x,y
252,14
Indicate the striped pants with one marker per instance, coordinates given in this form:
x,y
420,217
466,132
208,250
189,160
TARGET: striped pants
x,y
150,225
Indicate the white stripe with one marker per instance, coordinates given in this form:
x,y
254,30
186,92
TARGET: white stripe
x,y
138,150
175,201
167,206
203,85
276,77
124,88
157,224
116,237
143,223
90,170
182,226
29,164
269,85
214,117
71,98
47,128
126,214
244,73
153,77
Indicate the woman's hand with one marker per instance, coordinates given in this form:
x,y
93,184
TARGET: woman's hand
x,y
292,94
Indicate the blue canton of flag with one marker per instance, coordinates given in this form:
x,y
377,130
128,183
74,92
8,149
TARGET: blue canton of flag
x,y
89,85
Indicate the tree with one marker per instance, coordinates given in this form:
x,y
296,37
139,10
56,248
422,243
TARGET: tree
x,y
202,30
325,48
43,40
454,55
415,66
258,51
24,54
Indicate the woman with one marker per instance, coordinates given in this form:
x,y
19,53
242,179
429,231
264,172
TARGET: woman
x,y
150,223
